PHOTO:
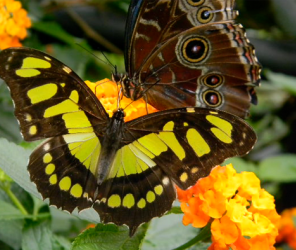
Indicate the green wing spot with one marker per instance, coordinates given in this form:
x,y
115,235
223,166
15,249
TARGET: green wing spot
x,y
27,72
114,201
128,201
152,143
141,203
32,62
220,123
66,106
170,139
76,190
150,196
50,168
158,189
42,93
197,142
169,126
74,96
53,179
77,122
47,158
221,135
65,183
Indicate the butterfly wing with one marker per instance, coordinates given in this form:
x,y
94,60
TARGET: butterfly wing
x,y
51,101
179,146
190,53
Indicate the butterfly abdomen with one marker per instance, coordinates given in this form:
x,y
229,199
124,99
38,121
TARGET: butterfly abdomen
x,y
110,145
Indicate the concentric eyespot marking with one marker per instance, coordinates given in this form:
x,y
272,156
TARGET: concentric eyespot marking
x,y
213,80
194,49
212,98
205,15
195,2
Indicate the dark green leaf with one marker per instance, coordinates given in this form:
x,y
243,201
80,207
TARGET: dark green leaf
x,y
37,236
109,237
168,232
11,233
278,168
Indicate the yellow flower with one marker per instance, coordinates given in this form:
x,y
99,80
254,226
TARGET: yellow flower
x,y
14,23
243,214
107,92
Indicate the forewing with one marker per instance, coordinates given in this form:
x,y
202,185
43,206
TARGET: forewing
x,y
49,98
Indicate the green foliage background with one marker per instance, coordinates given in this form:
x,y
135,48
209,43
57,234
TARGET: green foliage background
x,y
58,26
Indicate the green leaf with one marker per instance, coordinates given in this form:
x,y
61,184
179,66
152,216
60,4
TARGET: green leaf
x,y
241,165
37,236
108,237
9,212
280,168
11,233
61,243
282,81
168,232
55,30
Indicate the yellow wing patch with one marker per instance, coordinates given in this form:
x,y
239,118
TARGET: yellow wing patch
x,y
197,142
42,93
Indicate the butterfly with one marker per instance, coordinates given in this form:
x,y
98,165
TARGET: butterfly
x,y
181,53
126,171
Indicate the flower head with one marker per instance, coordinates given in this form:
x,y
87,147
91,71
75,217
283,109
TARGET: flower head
x,y
14,23
243,215
107,92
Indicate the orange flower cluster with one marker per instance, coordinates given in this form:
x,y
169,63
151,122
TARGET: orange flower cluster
x,y
287,228
13,23
243,215
107,92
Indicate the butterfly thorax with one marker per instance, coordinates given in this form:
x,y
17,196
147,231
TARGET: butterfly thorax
x,y
110,144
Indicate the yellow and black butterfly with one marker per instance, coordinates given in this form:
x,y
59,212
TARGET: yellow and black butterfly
x,y
126,171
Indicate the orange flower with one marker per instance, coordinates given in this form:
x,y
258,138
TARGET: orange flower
x,y
287,228
14,23
107,93
244,214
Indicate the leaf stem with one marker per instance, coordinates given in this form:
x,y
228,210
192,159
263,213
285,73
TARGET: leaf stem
x,y
16,201
203,235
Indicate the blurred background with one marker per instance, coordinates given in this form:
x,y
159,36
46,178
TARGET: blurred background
x,y
58,27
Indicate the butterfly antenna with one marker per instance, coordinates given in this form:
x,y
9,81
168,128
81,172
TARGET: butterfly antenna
x,y
108,61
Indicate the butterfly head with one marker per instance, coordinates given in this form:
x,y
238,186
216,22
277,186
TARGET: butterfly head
x,y
118,114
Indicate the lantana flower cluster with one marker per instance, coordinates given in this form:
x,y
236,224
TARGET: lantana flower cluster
x,y
108,93
241,213
14,23
287,228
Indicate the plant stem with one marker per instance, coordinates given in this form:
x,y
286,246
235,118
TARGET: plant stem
x,y
204,234
16,201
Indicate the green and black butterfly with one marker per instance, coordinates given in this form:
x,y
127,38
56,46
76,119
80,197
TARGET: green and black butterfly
x,y
125,171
